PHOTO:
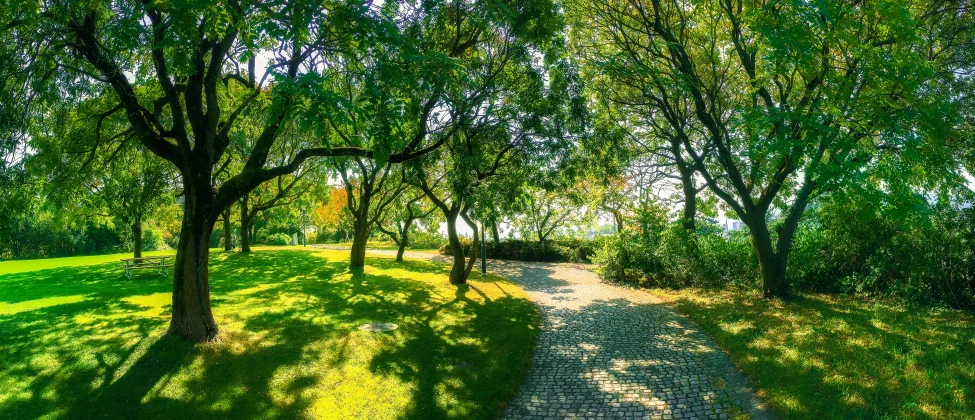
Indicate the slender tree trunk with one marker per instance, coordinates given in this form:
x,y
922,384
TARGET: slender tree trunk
x,y
245,226
404,239
360,235
457,270
474,247
617,220
690,199
771,263
137,238
494,233
227,237
192,317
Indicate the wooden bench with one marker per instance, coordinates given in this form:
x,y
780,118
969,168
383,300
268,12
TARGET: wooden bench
x,y
144,263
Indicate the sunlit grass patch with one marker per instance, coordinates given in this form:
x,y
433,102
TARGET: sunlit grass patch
x,y
85,341
832,357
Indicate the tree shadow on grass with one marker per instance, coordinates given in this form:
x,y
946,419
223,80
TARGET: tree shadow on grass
x,y
822,357
92,344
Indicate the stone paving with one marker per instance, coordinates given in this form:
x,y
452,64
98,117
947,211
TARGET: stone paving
x,y
611,352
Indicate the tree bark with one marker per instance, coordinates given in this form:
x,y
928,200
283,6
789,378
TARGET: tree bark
x,y
245,226
227,237
192,317
137,239
771,263
458,269
404,239
617,220
688,221
494,233
360,236
474,246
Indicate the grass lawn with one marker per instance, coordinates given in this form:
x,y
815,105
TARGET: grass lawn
x,y
386,245
20,266
830,357
84,341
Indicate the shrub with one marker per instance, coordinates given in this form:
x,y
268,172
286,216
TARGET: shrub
x,y
425,240
671,257
278,239
561,250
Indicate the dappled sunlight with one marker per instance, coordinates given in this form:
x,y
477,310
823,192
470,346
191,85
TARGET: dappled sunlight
x,y
84,339
154,305
30,305
827,356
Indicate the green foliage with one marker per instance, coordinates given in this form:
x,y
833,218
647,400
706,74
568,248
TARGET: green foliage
x,y
914,251
558,250
422,239
910,250
278,239
671,257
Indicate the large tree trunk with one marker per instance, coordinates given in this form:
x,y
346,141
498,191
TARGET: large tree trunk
x,y
137,239
458,269
228,241
772,263
245,226
192,317
360,236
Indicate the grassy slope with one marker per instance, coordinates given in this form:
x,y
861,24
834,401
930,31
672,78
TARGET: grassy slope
x,y
829,357
87,342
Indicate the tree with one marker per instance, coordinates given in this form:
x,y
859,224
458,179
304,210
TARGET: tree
x,y
784,101
114,178
544,212
399,218
169,66
509,120
368,195
131,191
332,216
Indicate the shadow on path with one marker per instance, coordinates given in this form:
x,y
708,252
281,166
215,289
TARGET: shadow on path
x,y
617,352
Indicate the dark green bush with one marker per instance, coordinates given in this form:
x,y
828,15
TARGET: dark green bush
x,y
671,257
913,251
561,250
46,238
920,253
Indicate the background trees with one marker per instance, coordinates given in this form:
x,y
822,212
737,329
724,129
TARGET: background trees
x,y
775,105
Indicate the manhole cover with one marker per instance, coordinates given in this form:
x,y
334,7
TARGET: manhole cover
x,y
378,327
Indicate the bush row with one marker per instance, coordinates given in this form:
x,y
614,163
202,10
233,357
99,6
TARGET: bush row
x,y
559,250
47,239
925,255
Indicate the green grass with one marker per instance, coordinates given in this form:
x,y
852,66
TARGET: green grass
x,y
829,357
21,266
385,245
84,341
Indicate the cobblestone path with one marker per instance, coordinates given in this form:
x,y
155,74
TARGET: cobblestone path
x,y
611,352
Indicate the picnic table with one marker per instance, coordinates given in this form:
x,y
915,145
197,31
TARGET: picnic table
x,y
145,263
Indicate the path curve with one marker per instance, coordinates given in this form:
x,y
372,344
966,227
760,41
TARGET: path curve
x,y
608,351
